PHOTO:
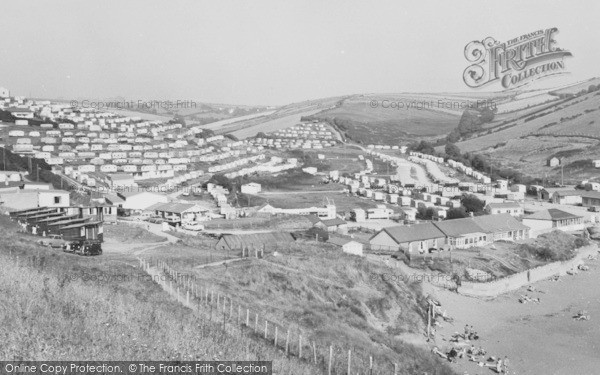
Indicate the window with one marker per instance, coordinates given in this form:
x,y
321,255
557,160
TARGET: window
x,y
56,200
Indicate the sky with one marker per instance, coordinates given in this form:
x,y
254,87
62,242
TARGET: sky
x,y
269,52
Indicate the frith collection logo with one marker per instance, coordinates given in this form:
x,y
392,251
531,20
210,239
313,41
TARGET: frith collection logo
x,y
516,62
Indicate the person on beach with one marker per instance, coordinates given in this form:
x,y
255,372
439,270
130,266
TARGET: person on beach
x,y
506,364
499,366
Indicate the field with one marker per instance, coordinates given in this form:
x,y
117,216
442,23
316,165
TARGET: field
x,y
271,125
572,112
364,124
131,233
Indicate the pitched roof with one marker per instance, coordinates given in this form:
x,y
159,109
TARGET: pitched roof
x,y
504,205
459,227
418,232
314,219
590,194
568,193
127,194
499,223
552,214
333,222
113,198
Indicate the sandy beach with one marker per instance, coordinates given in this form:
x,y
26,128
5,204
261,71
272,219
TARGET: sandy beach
x,y
538,338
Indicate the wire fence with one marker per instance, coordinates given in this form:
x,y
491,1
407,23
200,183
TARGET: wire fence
x,y
237,319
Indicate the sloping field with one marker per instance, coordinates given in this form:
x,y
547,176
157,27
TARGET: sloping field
x,y
572,112
574,89
216,126
363,123
272,125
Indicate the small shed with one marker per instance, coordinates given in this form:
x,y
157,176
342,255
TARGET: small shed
x,y
347,245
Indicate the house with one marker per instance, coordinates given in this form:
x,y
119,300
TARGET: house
x,y
4,93
595,162
380,212
29,185
358,215
251,188
101,212
456,233
547,193
23,199
178,213
409,213
140,200
553,162
331,225
255,241
348,246
13,176
409,238
512,208
328,211
552,219
463,233
566,197
120,180
590,198
502,227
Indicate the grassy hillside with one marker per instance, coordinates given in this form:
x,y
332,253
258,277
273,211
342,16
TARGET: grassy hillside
x,y
362,123
574,114
64,307
58,306
332,298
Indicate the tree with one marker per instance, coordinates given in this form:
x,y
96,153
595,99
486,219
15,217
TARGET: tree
x,y
452,151
456,213
472,204
425,213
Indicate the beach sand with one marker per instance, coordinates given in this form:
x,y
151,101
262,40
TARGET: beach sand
x,y
538,338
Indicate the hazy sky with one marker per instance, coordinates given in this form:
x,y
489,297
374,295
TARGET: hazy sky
x,y
268,52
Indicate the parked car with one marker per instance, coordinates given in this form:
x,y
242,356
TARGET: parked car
x,y
84,248
155,220
54,241
193,226
594,209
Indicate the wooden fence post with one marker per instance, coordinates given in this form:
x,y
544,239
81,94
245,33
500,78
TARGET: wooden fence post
x,y
287,342
187,297
315,352
256,323
370,365
275,341
266,328
300,346
349,362
247,317
395,369
330,366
